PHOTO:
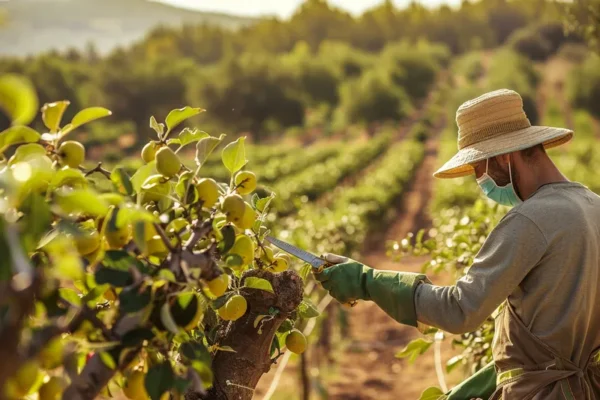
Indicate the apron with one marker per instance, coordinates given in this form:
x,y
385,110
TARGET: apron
x,y
528,369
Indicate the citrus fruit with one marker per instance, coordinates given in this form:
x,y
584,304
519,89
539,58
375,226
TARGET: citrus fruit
x,y
208,192
245,182
135,388
149,151
295,342
167,162
243,247
234,207
219,285
71,153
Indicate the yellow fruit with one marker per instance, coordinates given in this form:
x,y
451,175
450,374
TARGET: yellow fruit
x,y
71,153
19,385
87,242
156,247
149,151
243,247
208,192
295,342
119,237
234,207
279,264
135,388
167,162
156,192
234,309
219,285
52,390
245,182
248,219
51,356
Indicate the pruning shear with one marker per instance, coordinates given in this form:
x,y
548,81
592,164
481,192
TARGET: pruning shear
x,y
317,263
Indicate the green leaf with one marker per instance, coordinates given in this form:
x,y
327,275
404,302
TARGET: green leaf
x,y
188,136
132,213
177,116
167,319
254,199
17,134
228,232
70,295
121,180
114,277
234,260
305,271
132,300
258,283
136,337
18,98
433,393
195,351
234,155
205,147
107,359
84,116
158,128
83,201
68,177
307,310
27,151
263,204
140,176
286,326
52,114
414,349
121,260
159,379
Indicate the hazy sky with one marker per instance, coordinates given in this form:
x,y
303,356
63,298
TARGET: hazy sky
x,y
283,8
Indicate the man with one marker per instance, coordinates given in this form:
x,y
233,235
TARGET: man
x,y
539,268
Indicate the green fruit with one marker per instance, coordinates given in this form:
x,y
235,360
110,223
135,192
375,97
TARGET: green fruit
x,y
156,192
71,153
87,242
51,356
280,264
266,254
135,389
21,383
248,219
119,237
167,162
208,192
243,247
234,309
219,285
149,151
52,390
234,207
295,342
245,182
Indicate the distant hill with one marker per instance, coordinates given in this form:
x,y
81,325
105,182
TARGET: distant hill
x,y
31,26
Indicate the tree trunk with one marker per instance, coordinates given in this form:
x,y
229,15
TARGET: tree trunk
x,y
237,374
304,379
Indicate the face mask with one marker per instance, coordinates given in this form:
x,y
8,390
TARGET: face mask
x,y
504,195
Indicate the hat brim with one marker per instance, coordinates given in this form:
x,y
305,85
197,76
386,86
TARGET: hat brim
x,y
460,164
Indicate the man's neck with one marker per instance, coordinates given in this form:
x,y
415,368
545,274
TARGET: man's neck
x,y
541,173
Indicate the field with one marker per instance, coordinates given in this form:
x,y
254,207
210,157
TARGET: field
x,y
137,262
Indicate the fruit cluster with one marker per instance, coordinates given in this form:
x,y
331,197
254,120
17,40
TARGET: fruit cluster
x,y
164,249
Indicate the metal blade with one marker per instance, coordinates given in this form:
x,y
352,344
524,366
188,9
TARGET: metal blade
x,y
304,255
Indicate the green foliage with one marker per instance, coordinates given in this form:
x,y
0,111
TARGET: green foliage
x,y
583,85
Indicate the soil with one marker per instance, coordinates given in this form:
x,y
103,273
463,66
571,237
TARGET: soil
x,y
365,367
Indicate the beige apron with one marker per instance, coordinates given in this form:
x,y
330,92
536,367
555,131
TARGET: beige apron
x,y
529,369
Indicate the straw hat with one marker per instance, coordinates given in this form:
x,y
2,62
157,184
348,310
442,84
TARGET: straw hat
x,y
494,124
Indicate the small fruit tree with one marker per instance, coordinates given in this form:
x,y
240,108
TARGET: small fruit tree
x,y
158,284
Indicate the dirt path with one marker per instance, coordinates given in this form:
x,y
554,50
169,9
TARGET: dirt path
x,y
368,368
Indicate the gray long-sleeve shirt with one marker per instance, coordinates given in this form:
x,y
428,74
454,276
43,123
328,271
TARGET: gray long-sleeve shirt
x,y
544,256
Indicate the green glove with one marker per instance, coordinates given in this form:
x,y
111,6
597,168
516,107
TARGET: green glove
x,y
480,385
392,291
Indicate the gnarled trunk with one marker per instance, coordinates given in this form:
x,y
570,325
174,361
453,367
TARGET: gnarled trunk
x,y
237,374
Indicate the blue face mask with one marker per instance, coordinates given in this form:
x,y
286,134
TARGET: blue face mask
x,y
504,195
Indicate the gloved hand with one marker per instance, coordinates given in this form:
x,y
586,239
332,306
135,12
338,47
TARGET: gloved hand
x,y
393,291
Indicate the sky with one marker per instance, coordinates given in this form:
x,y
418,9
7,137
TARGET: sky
x,y
284,8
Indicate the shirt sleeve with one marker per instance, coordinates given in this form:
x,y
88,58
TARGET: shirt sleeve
x,y
509,253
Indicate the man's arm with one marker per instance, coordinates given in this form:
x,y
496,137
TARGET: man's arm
x,y
511,251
